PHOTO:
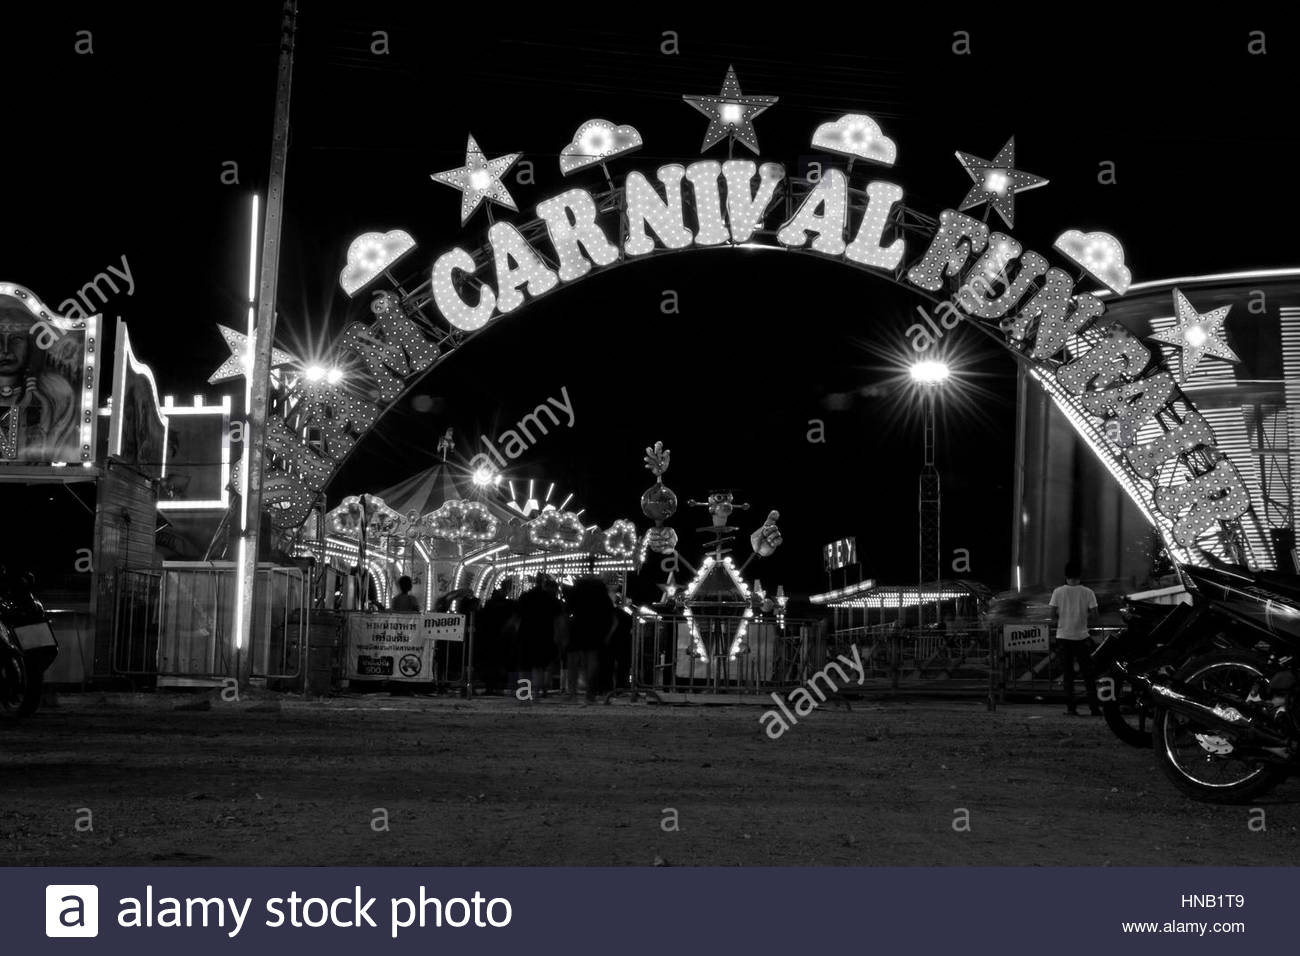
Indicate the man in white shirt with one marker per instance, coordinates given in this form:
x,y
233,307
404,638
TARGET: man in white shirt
x,y
1074,607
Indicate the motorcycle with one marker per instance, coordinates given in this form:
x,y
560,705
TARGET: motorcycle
x,y
1154,639
1217,682
27,647
1157,640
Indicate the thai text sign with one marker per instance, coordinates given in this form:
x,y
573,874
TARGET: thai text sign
x,y
1024,637
443,627
387,647
397,646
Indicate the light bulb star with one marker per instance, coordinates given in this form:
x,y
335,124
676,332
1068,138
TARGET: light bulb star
x,y
731,114
479,179
1197,335
997,181
241,357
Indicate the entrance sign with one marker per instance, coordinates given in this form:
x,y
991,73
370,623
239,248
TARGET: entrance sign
x,y
1024,637
1113,389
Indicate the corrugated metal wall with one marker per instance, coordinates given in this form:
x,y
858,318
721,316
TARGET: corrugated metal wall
x,y
125,518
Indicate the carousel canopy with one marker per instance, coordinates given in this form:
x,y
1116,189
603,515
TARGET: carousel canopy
x,y
441,504
429,490
406,508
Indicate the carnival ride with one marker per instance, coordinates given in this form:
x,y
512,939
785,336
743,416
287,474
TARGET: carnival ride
x,y
453,536
718,607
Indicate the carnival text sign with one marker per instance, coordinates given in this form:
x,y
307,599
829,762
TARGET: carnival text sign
x,y
1103,377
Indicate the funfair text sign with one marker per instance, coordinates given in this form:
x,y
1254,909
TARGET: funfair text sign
x,y
1033,304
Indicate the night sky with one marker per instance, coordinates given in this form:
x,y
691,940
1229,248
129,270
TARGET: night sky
x,y
120,152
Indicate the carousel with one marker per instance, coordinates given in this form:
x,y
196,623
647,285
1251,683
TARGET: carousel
x,y
457,534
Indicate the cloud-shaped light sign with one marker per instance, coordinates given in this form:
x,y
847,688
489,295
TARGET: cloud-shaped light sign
x,y
621,538
856,135
460,520
370,254
557,529
379,518
596,141
1099,254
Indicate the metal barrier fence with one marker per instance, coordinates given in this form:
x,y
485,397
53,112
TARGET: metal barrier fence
x,y
1036,671
175,624
963,658
703,653
680,655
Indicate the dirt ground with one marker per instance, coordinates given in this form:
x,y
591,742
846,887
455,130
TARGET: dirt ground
x,y
284,781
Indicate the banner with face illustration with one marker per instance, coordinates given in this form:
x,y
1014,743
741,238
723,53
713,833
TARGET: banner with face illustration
x,y
47,382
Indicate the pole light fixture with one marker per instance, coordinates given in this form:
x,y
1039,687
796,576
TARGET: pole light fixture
x,y
930,372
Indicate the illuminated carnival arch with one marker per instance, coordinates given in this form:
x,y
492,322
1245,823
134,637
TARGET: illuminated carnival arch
x,y
1126,406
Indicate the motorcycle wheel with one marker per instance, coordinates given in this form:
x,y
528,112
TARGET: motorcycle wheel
x,y
1128,716
14,698
1197,760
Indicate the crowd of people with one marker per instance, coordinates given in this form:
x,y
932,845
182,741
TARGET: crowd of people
x,y
581,632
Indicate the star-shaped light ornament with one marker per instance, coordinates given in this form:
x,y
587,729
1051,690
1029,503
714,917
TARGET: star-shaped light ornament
x,y
241,357
479,179
997,181
731,114
1197,335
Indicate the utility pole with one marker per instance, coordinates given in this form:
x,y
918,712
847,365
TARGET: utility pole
x,y
257,412
928,513
1018,497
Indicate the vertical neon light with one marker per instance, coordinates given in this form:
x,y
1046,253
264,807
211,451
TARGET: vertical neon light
x,y
242,556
